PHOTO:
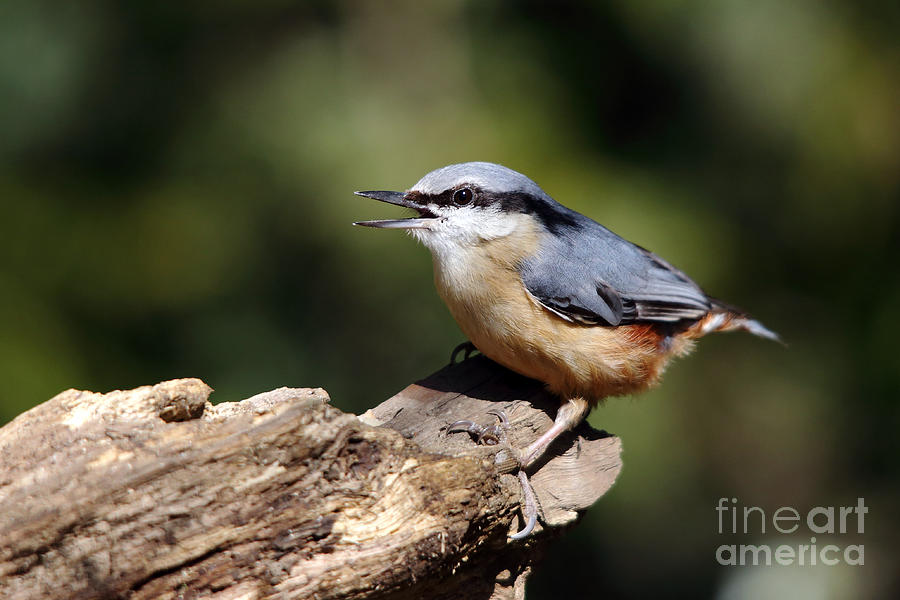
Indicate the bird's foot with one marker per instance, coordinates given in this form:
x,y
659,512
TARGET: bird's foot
x,y
466,348
529,508
492,435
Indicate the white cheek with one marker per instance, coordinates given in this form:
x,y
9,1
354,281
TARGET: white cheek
x,y
457,230
471,225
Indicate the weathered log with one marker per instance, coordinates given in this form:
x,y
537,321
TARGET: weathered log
x,y
156,493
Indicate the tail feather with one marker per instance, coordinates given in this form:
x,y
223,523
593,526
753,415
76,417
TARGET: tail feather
x,y
753,326
727,318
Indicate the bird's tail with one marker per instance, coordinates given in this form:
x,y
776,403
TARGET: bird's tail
x,y
723,317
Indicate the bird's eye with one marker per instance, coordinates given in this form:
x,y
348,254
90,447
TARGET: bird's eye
x,y
462,196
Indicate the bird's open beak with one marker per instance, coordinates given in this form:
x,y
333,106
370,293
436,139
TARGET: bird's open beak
x,y
400,199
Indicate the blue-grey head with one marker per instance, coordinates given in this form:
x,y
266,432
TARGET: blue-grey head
x,y
470,202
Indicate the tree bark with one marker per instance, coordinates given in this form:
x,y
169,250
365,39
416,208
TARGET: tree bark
x,y
156,493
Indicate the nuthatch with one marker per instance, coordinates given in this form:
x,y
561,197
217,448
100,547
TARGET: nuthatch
x,y
551,294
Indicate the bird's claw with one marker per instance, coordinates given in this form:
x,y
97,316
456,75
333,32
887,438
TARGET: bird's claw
x,y
490,435
467,349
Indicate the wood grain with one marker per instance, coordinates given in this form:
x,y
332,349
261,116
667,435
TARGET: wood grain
x,y
157,493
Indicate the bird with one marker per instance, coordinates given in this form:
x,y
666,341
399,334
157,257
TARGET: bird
x,y
551,294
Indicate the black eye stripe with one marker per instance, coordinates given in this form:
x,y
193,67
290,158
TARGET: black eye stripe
x,y
450,197
508,202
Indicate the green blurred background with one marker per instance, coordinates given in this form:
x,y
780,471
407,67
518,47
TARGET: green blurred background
x,y
176,183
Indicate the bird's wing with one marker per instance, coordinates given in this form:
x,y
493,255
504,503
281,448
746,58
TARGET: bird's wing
x,y
591,275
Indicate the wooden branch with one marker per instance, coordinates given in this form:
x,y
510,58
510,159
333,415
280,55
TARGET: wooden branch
x,y
156,493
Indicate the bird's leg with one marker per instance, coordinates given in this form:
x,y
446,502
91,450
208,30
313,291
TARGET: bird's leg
x,y
486,434
467,349
569,415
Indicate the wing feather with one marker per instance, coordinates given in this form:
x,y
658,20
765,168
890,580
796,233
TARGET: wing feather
x,y
589,274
